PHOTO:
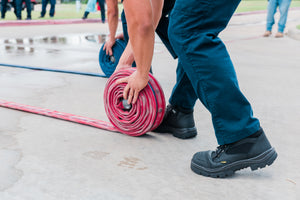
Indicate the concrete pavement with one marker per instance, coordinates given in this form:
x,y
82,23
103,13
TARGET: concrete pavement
x,y
50,159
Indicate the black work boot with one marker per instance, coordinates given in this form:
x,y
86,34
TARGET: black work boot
x,y
179,122
254,151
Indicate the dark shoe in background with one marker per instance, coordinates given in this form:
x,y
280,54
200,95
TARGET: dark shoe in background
x,y
85,15
179,122
28,18
254,151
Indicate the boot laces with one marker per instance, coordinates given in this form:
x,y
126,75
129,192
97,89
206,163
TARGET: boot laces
x,y
220,149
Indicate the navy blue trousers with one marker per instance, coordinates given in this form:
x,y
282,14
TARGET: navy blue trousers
x,y
205,70
52,7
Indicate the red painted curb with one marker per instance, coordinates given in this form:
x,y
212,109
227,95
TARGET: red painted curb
x,y
81,21
47,22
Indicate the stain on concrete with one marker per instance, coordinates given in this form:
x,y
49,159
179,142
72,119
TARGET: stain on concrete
x,y
97,155
132,163
9,175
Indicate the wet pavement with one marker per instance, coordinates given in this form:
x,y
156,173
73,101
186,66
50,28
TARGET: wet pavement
x,y
50,159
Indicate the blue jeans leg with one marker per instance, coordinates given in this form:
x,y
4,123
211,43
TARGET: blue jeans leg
x,y
193,32
44,6
102,9
272,6
52,8
283,9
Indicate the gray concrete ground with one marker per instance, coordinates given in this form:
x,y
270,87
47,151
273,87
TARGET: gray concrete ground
x,y
50,159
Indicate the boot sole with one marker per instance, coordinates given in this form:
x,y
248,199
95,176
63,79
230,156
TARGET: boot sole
x,y
260,161
182,133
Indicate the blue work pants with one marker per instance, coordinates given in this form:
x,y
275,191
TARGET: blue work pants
x,y
205,70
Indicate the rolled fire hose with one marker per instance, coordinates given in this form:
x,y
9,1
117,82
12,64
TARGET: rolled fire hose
x,y
134,120
109,63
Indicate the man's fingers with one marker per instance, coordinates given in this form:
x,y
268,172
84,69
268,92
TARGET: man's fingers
x,y
130,96
125,92
110,52
135,97
122,80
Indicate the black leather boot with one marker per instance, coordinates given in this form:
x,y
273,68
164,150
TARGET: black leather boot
x,y
179,122
254,151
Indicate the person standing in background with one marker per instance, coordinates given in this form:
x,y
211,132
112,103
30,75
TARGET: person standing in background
x,y
283,6
19,4
52,8
91,7
4,8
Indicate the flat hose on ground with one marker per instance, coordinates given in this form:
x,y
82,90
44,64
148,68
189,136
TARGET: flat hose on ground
x,y
134,120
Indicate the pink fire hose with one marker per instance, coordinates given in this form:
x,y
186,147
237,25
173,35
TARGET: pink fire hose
x,y
134,120
137,119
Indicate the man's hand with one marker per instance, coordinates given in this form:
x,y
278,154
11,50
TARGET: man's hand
x,y
135,83
111,42
108,46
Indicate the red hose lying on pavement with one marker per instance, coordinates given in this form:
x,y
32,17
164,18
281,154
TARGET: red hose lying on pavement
x,y
145,115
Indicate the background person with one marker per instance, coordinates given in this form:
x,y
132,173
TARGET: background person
x,y
91,7
283,6
44,6
4,8
19,5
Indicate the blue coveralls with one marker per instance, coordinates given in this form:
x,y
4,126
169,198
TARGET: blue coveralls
x,y
205,70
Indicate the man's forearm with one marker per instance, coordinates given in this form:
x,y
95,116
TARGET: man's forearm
x,y
128,57
141,32
113,17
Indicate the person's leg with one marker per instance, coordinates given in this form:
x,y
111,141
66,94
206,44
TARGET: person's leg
x,y
52,8
163,25
194,28
19,9
124,26
102,9
3,8
28,8
85,15
193,34
272,6
44,5
283,9
179,116
183,94
15,8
